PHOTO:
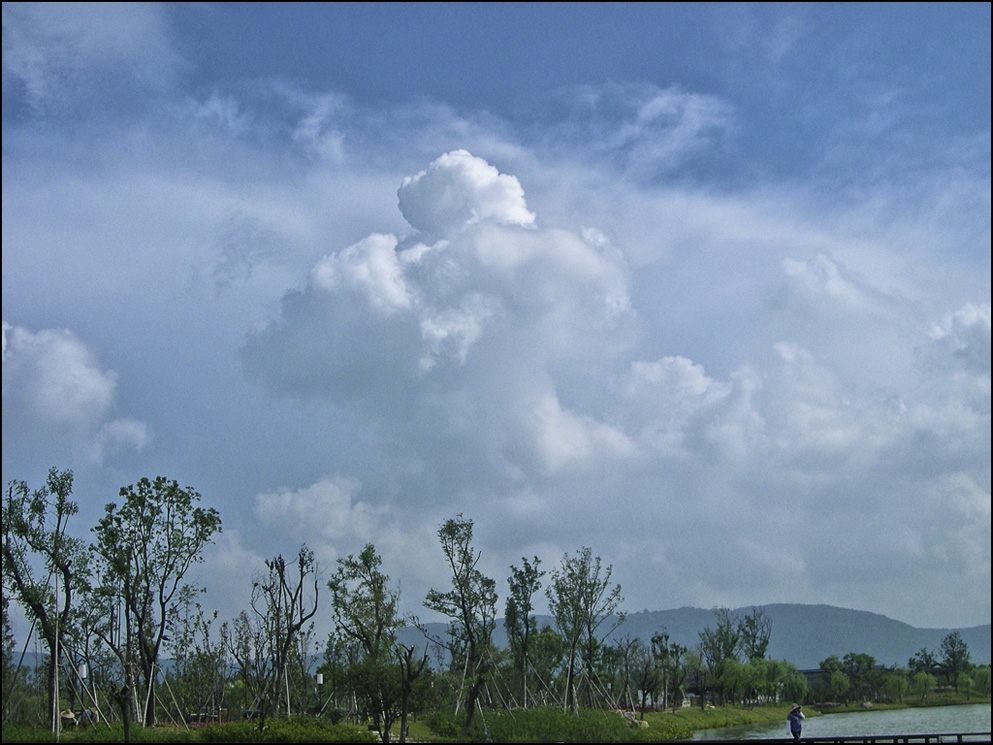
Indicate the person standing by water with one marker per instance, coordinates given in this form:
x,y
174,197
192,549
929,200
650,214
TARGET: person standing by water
x,y
795,718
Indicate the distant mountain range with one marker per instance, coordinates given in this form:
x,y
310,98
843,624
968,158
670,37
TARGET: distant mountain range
x,y
801,634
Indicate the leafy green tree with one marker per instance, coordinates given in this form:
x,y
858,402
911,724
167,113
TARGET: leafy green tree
x,y
35,529
470,605
567,611
548,652
411,671
731,680
757,678
830,664
772,674
582,601
795,686
719,644
376,682
334,668
922,683
965,683
697,674
366,610
954,657
981,680
858,667
922,660
83,646
827,685
365,607
875,681
147,546
763,678
9,671
895,686
838,684
518,618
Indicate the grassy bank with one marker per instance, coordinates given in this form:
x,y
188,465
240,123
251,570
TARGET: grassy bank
x,y
297,729
542,724
552,724
945,698
683,723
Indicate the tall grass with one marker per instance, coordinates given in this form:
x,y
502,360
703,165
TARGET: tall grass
x,y
295,729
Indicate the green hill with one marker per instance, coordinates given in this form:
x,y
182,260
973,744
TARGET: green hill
x,y
801,634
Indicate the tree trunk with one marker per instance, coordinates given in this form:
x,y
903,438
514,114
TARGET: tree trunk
x,y
570,693
148,707
53,694
470,704
404,703
124,698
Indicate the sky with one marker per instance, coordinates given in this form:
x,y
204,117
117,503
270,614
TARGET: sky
x,y
702,287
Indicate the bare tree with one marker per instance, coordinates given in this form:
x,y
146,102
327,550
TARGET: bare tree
x,y
199,671
672,666
628,653
647,673
284,606
755,629
245,641
410,671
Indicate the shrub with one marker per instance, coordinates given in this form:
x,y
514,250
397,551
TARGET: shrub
x,y
552,724
668,727
294,729
442,724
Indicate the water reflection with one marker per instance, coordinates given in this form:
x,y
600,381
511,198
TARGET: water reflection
x,y
923,721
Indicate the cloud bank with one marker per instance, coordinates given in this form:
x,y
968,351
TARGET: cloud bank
x,y
719,309
480,333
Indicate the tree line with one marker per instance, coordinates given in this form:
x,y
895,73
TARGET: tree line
x,y
857,678
126,638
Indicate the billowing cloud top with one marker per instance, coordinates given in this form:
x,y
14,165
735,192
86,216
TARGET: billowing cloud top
x,y
488,291
459,189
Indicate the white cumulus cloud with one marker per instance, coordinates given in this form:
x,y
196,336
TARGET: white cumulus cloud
x,y
56,377
322,513
474,321
459,189
370,268
53,383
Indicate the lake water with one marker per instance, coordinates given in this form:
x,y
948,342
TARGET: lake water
x,y
924,721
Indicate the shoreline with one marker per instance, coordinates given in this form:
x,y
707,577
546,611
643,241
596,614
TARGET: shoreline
x,y
686,722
